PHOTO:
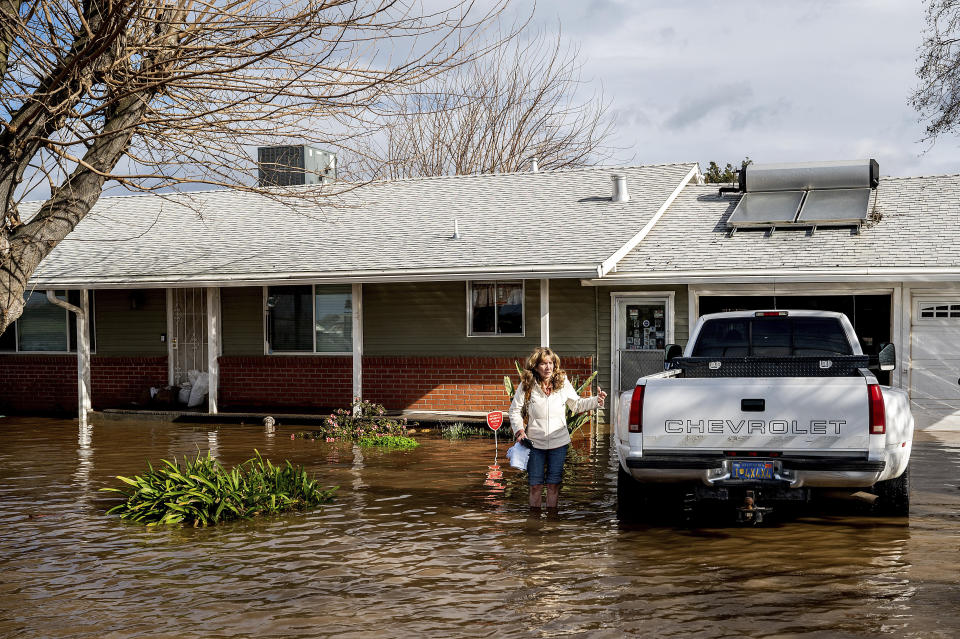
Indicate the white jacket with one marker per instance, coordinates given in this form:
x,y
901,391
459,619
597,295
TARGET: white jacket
x,y
546,420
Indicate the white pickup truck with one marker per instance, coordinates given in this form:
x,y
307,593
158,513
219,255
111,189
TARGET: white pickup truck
x,y
762,407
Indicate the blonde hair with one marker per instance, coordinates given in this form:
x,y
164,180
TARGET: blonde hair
x,y
529,376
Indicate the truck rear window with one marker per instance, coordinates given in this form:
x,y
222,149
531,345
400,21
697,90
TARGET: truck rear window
x,y
772,337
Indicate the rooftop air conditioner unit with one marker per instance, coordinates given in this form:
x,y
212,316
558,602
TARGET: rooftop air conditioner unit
x,y
294,165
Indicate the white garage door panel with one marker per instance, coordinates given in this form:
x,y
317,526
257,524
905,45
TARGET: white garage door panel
x,y
938,343
935,364
935,381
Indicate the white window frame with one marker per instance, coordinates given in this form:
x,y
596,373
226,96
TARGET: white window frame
x,y
313,333
16,331
523,309
942,321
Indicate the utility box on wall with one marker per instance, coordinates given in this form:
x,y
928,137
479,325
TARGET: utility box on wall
x,y
293,165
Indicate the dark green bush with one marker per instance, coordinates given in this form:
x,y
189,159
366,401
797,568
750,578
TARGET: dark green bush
x,y
201,492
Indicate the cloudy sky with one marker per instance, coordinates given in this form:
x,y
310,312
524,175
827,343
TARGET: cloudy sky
x,y
776,81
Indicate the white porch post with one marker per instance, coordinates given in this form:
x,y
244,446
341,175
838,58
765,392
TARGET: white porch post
x,y
83,357
545,312
213,345
356,303
83,350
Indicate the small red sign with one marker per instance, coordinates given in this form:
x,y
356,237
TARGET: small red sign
x,y
495,419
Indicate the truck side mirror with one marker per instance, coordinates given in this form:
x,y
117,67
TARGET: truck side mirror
x,y
887,357
673,351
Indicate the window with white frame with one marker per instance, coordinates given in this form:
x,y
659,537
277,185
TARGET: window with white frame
x,y
309,319
44,327
939,310
495,307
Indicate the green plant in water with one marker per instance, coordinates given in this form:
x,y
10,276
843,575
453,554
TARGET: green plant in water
x,y
574,420
201,492
362,419
388,441
457,430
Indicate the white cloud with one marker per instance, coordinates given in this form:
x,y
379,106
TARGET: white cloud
x,y
775,80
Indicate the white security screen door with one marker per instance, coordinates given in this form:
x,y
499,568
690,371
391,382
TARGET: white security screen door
x,y
642,327
188,341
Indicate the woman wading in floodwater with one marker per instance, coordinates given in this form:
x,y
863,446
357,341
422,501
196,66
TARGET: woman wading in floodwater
x,y
537,414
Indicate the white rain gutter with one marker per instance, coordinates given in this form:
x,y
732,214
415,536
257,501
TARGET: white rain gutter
x,y
538,271
858,274
83,351
611,262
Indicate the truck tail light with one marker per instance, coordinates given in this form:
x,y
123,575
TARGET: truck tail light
x,y
878,415
635,425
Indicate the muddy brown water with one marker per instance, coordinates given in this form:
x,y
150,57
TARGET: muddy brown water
x,y
416,545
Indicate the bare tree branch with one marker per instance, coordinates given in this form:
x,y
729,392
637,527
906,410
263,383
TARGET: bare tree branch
x,y
156,94
495,114
938,98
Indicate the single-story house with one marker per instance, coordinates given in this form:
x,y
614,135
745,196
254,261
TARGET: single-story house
x,y
420,294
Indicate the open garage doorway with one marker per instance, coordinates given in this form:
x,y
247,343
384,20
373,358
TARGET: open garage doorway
x,y
870,314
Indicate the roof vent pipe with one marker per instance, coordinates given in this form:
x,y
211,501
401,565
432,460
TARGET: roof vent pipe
x,y
620,193
534,167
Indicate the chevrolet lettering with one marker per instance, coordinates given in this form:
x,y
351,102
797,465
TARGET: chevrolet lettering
x,y
755,426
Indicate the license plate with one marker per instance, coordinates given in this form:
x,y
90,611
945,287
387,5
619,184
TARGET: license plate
x,y
751,470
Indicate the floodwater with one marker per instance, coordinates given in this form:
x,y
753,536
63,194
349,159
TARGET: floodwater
x,y
416,545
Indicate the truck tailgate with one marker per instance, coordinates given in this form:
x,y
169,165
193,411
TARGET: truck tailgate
x,y
785,414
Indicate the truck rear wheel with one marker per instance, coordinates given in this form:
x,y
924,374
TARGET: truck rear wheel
x,y
893,496
631,496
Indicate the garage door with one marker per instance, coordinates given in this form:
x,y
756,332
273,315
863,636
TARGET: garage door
x,y
935,363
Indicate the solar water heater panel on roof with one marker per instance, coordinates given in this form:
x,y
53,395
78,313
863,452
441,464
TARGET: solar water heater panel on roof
x,y
767,209
835,207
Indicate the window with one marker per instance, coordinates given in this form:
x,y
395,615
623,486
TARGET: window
x,y
44,327
496,308
309,319
773,337
940,310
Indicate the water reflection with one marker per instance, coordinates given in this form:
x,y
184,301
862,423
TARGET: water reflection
x,y
418,543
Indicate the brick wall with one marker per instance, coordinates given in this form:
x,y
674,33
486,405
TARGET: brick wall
x,y
447,383
47,384
285,382
417,383
121,381
44,384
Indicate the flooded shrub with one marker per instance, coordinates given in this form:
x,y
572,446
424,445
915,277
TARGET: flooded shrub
x,y
389,441
201,492
457,430
363,419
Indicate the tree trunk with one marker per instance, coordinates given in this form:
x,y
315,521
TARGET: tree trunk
x,y
30,243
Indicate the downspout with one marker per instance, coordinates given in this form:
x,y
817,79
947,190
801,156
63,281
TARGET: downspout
x,y
83,350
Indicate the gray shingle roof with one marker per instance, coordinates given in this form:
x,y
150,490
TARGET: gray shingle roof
x,y
919,228
549,222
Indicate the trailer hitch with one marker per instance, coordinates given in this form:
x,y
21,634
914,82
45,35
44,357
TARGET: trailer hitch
x,y
750,513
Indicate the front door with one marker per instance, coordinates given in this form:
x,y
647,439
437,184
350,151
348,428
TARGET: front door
x,y
188,332
642,327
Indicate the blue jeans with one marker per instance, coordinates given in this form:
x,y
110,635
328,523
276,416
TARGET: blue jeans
x,y
547,462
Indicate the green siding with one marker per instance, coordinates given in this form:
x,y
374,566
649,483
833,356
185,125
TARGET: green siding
x,y
242,312
430,318
573,318
130,323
